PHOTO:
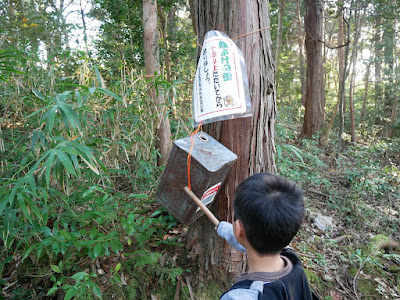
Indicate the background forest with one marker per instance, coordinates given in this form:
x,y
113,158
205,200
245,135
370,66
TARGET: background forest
x,y
80,158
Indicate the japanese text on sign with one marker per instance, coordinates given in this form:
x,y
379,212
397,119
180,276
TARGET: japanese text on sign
x,y
218,88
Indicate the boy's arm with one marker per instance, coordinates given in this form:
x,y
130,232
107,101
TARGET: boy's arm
x,y
225,230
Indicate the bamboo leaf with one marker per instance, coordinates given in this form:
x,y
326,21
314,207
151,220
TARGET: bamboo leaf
x,y
76,164
50,119
91,166
47,165
29,251
65,118
33,208
73,115
38,94
22,206
3,204
65,161
98,76
115,96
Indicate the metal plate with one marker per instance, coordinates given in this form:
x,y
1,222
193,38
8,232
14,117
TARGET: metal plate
x,y
210,164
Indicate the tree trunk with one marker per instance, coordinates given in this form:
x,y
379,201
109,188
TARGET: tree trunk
x,y
396,94
252,139
359,20
85,39
152,64
328,128
389,43
281,8
366,87
378,64
314,116
342,89
300,40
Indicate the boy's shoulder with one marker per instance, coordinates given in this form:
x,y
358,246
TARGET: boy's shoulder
x,y
292,286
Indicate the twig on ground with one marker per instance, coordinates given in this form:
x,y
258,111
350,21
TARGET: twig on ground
x,y
177,289
190,289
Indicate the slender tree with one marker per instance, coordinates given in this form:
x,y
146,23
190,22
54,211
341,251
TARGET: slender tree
x,y
325,137
343,89
378,50
359,20
300,40
314,116
281,10
252,139
366,89
152,64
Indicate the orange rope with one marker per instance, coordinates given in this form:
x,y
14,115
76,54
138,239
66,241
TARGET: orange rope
x,y
243,35
240,36
189,157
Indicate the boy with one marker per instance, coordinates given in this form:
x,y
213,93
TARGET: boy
x,y
268,213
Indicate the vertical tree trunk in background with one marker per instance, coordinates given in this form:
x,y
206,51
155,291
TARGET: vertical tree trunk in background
x,y
389,43
328,128
351,104
300,38
343,89
314,116
85,40
366,87
396,94
281,8
152,64
378,64
357,29
252,139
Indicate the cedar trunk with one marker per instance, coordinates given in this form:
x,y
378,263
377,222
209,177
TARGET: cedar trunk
x,y
314,116
152,65
252,139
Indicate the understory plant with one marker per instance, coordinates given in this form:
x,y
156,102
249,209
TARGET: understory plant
x,y
76,212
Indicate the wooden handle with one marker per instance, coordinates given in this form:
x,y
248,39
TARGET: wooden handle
x,y
204,208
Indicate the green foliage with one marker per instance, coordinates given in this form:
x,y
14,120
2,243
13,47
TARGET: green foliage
x,y
71,194
8,60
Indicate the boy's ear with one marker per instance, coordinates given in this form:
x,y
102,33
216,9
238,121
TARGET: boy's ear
x,y
239,230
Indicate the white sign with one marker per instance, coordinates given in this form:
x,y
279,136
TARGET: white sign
x,y
209,194
218,86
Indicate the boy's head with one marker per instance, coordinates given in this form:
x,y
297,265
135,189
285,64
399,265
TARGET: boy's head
x,y
271,210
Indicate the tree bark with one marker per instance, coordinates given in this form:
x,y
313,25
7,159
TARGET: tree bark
x,y
300,40
152,65
252,139
314,116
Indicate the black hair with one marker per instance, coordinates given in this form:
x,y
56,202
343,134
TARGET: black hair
x,y
271,209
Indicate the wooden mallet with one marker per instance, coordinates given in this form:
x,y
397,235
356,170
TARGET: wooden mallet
x,y
204,208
